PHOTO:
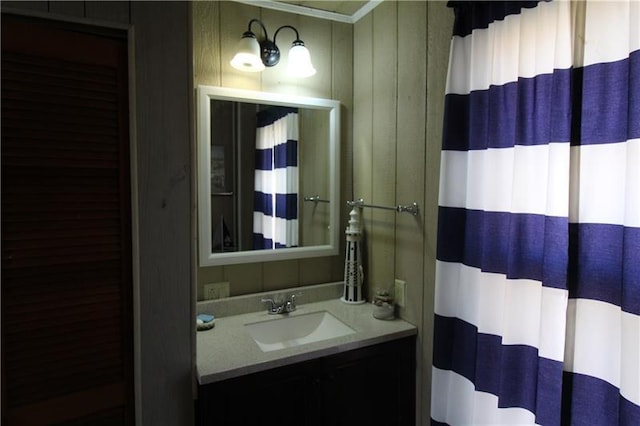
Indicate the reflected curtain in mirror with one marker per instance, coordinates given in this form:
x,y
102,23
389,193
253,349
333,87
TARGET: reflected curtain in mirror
x,y
275,216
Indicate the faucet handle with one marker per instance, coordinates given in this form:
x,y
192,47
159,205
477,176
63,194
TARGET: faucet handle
x,y
291,303
272,304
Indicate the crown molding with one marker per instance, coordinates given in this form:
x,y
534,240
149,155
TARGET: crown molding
x,y
364,10
316,13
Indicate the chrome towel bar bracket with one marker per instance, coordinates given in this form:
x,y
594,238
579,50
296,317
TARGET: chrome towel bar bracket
x,y
316,199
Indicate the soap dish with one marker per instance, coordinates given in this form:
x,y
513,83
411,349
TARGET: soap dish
x,y
205,322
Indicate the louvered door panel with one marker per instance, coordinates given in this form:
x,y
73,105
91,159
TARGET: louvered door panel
x,y
66,268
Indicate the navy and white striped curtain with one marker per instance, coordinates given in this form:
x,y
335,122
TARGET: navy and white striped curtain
x,y
537,305
275,216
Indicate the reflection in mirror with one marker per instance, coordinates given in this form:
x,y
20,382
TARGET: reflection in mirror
x,y
264,159
259,156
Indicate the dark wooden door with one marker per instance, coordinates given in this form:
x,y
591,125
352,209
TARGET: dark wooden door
x,y
67,339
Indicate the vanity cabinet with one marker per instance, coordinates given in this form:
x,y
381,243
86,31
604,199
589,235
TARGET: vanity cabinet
x,y
370,386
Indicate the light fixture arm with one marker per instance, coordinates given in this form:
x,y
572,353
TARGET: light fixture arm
x,y
264,29
296,41
269,52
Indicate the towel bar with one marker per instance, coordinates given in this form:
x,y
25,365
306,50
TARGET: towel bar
x,y
412,208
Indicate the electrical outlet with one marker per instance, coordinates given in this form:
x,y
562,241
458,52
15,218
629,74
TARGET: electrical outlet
x,y
399,292
216,290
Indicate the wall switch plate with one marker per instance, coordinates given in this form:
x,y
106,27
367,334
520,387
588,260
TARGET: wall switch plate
x,y
216,290
399,292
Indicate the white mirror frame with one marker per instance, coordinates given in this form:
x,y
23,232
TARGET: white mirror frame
x,y
205,95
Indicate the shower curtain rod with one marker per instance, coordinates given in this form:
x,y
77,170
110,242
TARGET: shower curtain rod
x,y
412,208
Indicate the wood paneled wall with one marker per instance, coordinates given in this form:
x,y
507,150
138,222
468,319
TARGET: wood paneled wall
x,y
400,62
217,27
162,208
164,143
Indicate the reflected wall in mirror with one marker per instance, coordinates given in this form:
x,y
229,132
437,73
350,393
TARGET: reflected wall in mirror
x,y
260,155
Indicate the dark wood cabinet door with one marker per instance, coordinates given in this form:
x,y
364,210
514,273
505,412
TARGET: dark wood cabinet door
x,y
370,386
279,396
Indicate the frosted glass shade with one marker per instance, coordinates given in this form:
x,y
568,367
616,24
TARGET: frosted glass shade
x,y
247,56
300,62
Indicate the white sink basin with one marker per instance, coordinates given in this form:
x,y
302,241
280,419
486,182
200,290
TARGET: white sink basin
x,y
293,331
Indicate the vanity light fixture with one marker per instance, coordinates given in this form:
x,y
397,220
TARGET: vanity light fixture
x,y
254,56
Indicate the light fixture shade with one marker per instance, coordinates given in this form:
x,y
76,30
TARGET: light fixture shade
x,y
247,56
300,61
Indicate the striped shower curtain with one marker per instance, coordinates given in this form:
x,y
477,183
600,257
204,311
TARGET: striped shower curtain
x,y
275,216
537,305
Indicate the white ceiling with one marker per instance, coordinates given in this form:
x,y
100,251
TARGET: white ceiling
x,y
349,11
342,7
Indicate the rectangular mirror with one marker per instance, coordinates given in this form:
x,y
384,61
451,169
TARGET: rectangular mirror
x,y
268,176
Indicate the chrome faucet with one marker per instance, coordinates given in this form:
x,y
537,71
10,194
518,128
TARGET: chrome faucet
x,y
281,306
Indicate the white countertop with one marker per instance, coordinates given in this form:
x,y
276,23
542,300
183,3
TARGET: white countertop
x,y
227,350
